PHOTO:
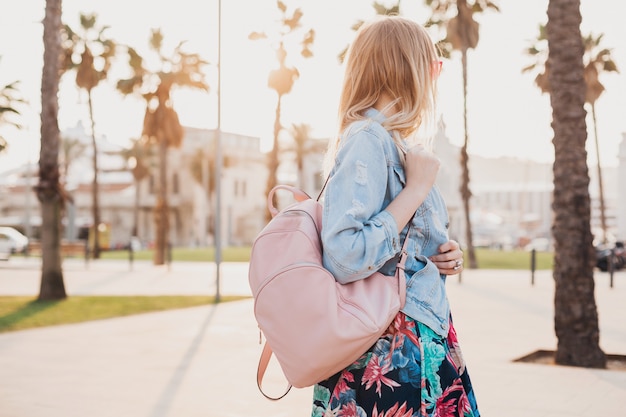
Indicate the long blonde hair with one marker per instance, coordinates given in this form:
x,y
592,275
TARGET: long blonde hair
x,y
395,56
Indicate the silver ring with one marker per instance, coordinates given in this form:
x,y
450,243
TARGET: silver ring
x,y
457,264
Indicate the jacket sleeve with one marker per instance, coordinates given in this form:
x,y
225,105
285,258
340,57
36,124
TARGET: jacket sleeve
x,y
358,235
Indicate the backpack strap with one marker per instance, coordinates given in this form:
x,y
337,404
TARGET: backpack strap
x,y
266,355
323,188
400,266
298,194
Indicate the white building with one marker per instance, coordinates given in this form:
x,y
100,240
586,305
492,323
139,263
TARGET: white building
x,y
244,176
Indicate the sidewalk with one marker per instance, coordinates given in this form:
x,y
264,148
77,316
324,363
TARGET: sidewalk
x,y
202,361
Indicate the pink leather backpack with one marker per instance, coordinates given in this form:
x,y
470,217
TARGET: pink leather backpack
x,y
314,326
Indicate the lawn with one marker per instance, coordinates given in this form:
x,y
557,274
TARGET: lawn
x,y
20,313
516,259
229,254
487,258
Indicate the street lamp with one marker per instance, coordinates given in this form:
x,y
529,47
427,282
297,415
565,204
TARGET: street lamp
x,y
218,158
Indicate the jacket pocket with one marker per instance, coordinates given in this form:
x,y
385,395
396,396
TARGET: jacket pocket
x,y
426,287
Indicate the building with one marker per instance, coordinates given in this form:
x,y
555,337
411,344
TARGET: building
x,y
511,202
124,201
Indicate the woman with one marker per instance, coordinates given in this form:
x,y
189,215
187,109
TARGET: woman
x,y
380,191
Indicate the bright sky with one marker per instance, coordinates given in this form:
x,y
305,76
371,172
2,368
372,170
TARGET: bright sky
x,y
508,116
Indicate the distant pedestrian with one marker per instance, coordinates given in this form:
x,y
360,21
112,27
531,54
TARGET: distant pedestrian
x,y
381,186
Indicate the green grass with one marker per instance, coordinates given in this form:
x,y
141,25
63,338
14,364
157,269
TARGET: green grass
x,y
20,313
517,259
487,258
230,254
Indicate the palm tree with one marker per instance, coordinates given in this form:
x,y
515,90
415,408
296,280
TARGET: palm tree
x,y
137,157
71,149
49,190
461,35
161,126
538,50
595,62
301,133
201,166
282,79
575,312
301,147
90,54
9,103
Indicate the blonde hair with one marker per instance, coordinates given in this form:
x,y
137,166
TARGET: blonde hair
x,y
395,56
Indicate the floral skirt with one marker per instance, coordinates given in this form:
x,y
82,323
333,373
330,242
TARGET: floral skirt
x,y
410,371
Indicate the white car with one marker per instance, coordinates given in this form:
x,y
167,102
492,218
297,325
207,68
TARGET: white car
x,y
18,242
6,246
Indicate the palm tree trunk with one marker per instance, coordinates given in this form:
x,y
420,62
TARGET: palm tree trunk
x,y
95,205
49,189
161,209
272,158
600,185
466,194
575,313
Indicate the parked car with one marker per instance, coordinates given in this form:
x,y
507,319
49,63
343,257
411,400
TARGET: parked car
x,y
6,246
18,242
603,255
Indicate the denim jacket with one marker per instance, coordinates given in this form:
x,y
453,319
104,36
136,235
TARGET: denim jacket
x,y
360,237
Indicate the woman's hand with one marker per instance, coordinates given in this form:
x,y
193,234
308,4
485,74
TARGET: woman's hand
x,y
450,258
421,167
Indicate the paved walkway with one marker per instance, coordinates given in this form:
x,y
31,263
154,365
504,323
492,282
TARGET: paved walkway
x,y
202,361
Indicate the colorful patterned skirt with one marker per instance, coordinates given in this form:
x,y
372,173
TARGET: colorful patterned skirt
x,y
410,371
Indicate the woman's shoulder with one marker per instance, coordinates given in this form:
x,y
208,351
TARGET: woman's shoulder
x,y
366,129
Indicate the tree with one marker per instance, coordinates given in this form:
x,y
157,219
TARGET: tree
x,y
595,61
10,101
301,147
461,35
89,54
137,160
49,190
301,134
71,149
161,126
282,78
575,312
201,165
201,168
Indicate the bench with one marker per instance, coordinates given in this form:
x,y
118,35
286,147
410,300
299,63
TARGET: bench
x,y
68,249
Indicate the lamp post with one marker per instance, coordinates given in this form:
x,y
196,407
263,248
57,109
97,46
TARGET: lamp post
x,y
218,158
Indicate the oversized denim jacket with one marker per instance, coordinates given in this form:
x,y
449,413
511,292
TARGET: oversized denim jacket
x,y
360,237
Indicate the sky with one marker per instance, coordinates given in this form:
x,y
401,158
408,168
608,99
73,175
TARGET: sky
x,y
507,114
